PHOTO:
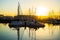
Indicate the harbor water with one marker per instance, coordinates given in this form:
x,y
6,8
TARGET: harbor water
x,y
49,32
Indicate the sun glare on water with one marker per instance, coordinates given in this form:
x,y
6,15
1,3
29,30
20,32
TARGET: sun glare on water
x,y
41,11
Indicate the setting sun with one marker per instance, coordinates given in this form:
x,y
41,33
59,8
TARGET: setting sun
x,y
41,11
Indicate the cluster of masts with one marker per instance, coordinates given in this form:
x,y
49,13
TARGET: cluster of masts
x,y
31,24
22,21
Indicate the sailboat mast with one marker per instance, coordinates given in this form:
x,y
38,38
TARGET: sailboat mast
x,y
18,8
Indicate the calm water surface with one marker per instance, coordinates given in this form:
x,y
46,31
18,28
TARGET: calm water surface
x,y
49,32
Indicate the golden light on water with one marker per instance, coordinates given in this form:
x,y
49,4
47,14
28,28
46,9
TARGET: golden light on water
x,y
42,11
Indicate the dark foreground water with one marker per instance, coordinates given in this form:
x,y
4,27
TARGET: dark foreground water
x,y
50,32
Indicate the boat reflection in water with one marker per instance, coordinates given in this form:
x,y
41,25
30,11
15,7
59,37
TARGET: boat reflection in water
x,y
30,24
49,32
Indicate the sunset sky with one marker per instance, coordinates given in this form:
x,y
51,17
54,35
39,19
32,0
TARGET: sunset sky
x,y
10,6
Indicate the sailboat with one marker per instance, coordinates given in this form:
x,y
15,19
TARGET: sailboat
x,y
31,23
21,21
